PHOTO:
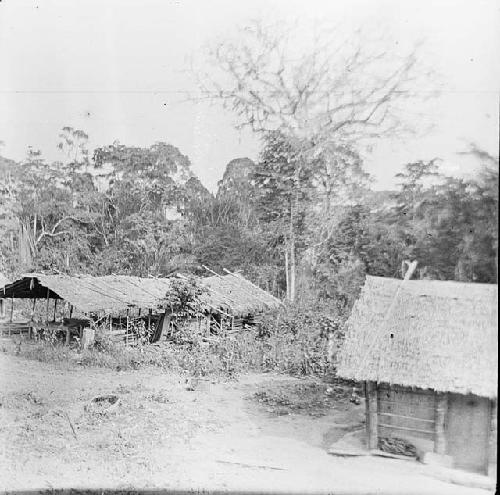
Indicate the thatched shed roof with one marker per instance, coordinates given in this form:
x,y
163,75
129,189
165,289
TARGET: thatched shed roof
x,y
114,294
425,334
237,295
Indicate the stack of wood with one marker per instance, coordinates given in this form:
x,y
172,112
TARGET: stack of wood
x,y
398,446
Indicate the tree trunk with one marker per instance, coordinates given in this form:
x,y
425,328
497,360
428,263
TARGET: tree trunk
x,y
287,274
293,268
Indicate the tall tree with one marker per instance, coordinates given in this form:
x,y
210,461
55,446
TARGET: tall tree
x,y
283,185
147,192
329,93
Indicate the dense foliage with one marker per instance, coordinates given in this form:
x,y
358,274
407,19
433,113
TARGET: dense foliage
x,y
142,211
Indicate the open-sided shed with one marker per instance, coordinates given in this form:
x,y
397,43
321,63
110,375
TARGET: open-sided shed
x,y
118,296
427,352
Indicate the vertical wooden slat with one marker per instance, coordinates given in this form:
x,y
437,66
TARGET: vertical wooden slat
x,y
441,409
372,416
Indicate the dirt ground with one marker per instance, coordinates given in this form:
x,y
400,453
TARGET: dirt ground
x,y
262,433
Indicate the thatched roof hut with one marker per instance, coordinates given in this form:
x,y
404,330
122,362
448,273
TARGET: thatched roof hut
x,y
428,354
439,335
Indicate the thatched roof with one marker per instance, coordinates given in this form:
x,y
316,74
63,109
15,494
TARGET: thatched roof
x,y
425,334
114,294
237,295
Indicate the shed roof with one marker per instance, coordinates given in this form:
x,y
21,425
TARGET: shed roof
x,y
236,294
115,294
425,334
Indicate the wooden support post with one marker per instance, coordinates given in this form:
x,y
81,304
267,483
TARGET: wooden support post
x,y
492,446
47,308
440,413
149,321
70,311
55,309
372,415
68,335
126,333
11,313
33,309
11,310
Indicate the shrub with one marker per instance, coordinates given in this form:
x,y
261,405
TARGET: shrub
x,y
295,339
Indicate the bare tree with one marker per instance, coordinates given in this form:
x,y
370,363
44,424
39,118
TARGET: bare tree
x,y
322,92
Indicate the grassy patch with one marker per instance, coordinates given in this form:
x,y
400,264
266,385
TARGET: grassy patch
x,y
309,398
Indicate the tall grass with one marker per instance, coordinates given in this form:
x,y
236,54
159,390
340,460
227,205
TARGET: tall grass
x,y
292,340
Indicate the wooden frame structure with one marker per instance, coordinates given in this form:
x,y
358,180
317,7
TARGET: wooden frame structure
x,y
428,420
427,353
229,300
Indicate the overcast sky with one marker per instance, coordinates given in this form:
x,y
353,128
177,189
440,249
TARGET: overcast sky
x,y
116,69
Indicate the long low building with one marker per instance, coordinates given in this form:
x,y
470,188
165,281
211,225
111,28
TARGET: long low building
x,y
228,297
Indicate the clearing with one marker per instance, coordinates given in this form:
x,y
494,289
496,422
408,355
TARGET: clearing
x,y
262,432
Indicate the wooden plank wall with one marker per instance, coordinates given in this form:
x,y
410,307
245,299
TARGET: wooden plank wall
x,y
468,431
406,413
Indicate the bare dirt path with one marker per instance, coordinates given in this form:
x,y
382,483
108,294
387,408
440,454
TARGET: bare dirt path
x,y
162,435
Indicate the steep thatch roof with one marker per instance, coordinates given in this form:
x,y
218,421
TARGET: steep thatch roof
x,y
114,294
425,334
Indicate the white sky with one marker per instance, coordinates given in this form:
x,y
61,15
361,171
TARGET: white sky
x,y
114,69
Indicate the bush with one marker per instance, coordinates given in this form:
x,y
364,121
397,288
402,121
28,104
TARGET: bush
x,y
296,340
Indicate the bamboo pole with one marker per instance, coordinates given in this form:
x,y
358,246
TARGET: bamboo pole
x,y
211,271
